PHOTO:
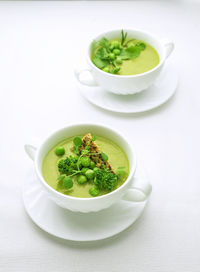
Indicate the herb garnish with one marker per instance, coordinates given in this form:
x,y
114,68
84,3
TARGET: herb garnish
x,y
109,55
124,36
83,165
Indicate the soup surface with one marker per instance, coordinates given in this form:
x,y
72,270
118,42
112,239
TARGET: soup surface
x,y
116,157
124,56
147,60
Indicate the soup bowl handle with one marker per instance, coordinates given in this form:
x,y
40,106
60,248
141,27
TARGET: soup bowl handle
x,y
87,82
139,191
31,148
169,47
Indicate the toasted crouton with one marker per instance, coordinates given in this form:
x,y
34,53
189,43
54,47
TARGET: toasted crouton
x,y
97,158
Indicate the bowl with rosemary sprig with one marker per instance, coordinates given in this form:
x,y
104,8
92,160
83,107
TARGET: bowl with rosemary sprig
x,y
86,167
124,61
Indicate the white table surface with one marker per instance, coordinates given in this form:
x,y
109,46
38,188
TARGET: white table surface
x,y
40,43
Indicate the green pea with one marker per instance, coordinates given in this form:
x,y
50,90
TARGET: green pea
x,y
83,170
116,52
92,165
85,161
112,56
94,191
60,151
118,60
67,183
89,174
106,69
115,44
111,46
82,179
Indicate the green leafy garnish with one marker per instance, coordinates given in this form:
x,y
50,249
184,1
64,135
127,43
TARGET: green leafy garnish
x,y
100,63
104,156
76,150
93,138
109,55
61,177
130,53
77,141
104,43
141,45
102,53
121,173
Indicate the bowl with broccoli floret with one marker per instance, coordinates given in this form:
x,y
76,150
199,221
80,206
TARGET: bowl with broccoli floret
x,y
86,167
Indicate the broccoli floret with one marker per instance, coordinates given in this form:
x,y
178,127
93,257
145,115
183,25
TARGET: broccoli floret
x,y
68,165
105,179
63,167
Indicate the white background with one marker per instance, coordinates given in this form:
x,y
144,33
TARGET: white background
x,y
40,43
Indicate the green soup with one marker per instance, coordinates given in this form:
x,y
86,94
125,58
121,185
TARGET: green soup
x,y
117,158
147,60
129,59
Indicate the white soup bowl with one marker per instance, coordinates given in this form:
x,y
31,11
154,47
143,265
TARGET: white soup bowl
x,y
37,154
125,84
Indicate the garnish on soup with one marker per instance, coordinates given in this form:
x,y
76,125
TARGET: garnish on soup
x,y
85,170
124,56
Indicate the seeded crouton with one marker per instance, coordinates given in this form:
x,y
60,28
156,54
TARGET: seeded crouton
x,y
97,158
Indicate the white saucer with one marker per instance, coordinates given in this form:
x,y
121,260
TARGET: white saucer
x,y
159,93
74,226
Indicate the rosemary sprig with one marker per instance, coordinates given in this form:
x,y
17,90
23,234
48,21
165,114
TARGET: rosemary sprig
x,y
124,36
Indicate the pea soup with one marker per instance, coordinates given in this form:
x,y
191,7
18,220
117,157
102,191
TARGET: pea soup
x,y
85,166
125,56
